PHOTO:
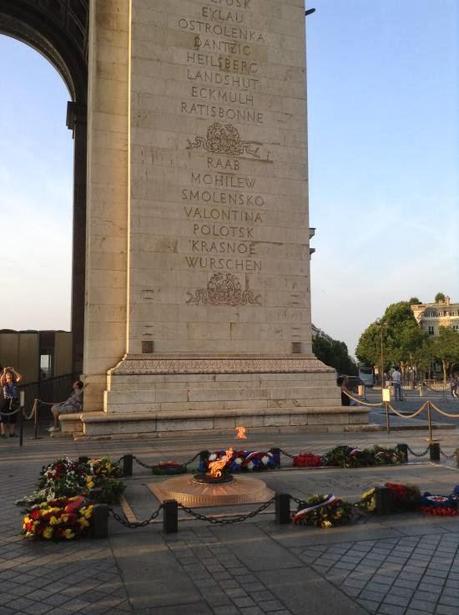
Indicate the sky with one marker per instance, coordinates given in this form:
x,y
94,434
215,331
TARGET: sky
x,y
383,158
36,184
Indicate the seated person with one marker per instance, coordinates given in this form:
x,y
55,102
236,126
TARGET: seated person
x,y
73,404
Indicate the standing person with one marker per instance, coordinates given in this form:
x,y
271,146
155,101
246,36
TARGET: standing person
x,y
341,382
397,384
453,385
10,403
72,404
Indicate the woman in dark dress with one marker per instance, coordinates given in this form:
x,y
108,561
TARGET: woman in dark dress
x,y
8,380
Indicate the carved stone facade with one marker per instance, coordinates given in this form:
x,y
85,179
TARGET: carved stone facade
x,y
197,292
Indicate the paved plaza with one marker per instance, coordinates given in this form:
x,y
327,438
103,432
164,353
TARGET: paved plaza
x,y
403,564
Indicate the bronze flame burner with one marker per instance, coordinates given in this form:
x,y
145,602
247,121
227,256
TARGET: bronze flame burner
x,y
207,479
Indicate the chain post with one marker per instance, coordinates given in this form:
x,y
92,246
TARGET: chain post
x,y
282,508
434,450
429,418
386,406
170,516
383,501
276,453
403,450
21,417
35,420
203,459
127,464
99,527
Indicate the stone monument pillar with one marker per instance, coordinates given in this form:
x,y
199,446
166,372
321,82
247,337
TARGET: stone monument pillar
x,y
198,290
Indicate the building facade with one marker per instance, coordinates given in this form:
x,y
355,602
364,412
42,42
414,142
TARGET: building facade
x,y
432,316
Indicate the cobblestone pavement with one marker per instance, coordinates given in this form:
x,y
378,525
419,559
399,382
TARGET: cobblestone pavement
x,y
405,564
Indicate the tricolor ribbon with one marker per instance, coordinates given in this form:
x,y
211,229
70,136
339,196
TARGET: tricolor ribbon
x,y
304,511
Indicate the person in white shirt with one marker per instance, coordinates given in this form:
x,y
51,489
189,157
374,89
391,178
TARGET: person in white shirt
x,y
397,384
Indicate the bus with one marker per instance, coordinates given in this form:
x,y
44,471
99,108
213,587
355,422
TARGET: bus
x,y
366,375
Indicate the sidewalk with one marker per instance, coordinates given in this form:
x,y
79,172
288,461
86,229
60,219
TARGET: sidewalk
x,y
395,565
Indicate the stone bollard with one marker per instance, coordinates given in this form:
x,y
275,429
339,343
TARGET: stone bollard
x,y
384,504
203,460
128,461
170,516
434,450
276,453
99,522
403,450
282,508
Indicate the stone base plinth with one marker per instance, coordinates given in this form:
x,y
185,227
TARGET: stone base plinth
x,y
217,384
187,393
325,419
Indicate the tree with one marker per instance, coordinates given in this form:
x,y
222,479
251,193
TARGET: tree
x,y
334,353
368,349
445,348
398,333
440,298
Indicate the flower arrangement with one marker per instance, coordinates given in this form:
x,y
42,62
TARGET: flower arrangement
x,y
307,460
367,501
246,461
98,479
324,511
348,457
404,497
63,518
441,505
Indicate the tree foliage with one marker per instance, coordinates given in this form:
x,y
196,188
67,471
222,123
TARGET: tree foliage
x,y
399,335
445,348
334,353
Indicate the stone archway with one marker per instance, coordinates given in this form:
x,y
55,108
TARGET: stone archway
x,y
58,29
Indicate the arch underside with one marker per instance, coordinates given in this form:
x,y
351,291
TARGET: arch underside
x,y
58,29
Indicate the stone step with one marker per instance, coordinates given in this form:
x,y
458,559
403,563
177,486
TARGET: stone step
x,y
330,418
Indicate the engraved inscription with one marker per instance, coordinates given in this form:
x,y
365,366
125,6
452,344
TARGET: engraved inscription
x,y
225,139
223,204
224,290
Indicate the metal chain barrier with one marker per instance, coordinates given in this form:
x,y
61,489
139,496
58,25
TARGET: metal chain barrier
x,y
286,454
142,463
410,450
361,402
227,521
447,414
187,463
150,467
408,416
446,456
132,525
